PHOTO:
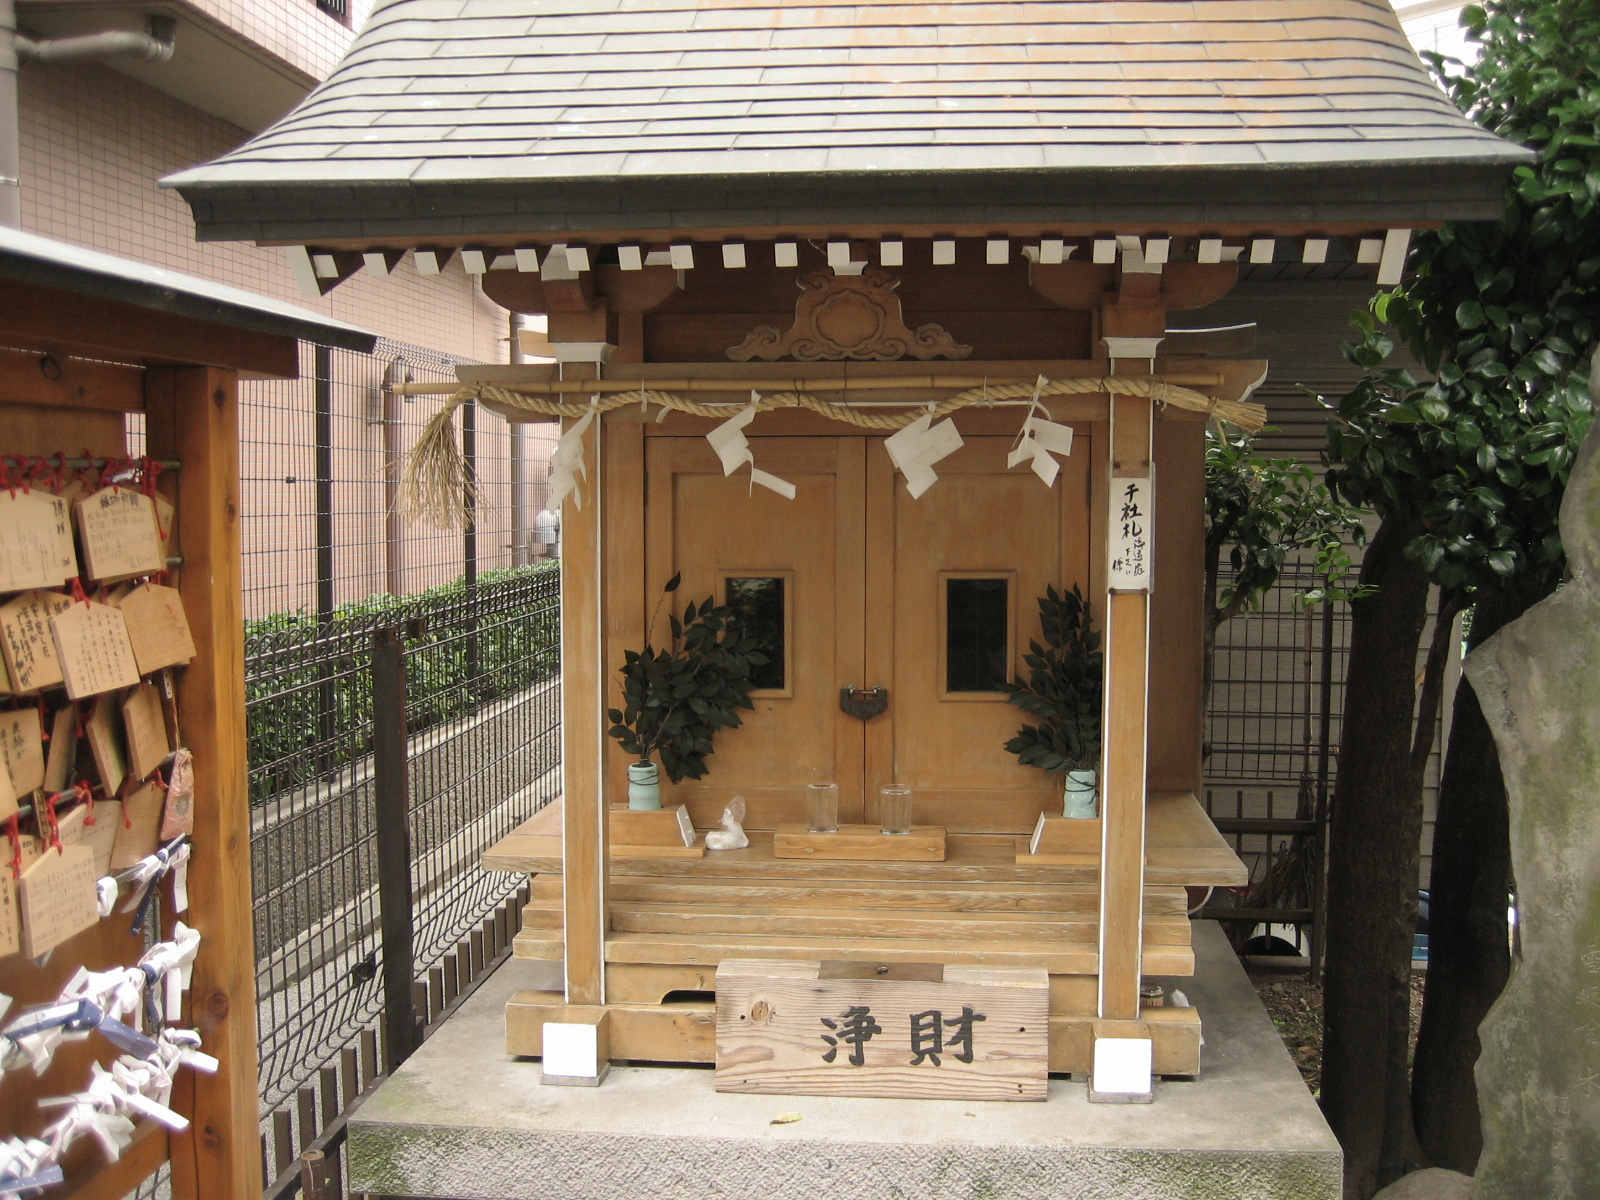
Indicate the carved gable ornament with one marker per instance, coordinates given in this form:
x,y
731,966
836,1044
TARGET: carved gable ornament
x,y
847,316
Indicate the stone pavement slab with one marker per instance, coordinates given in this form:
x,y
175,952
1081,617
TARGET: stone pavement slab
x,y
461,1120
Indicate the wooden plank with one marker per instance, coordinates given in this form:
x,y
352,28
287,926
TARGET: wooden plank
x,y
69,383
584,828
1056,958
679,1032
970,860
193,416
979,1034
33,316
627,606
37,431
1176,725
686,1032
714,920
1125,740
650,983
826,893
867,843
661,827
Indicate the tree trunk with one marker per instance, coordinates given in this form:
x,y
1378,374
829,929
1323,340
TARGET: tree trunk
x,y
1374,844
1469,957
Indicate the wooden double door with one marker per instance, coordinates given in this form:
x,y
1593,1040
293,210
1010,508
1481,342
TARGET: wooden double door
x,y
854,583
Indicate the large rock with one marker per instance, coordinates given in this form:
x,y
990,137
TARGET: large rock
x,y
1538,680
1433,1184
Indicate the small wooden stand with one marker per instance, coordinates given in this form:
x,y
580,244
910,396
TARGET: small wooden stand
x,y
862,843
653,833
1063,841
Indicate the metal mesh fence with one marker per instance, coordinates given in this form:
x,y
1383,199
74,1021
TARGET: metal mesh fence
x,y
326,564
483,705
319,467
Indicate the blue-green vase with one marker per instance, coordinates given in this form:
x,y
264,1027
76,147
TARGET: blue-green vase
x,y
644,786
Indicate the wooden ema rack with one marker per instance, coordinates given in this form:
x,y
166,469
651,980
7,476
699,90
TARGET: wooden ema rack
x,y
989,903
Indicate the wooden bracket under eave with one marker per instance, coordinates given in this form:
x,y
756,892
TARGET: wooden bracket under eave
x,y
317,272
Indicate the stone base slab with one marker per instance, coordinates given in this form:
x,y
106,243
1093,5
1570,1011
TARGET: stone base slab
x,y
463,1121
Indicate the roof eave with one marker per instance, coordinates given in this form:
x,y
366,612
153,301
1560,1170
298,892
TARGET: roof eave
x,y
1395,192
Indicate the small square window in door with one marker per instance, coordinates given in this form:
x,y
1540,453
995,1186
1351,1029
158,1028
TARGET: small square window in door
x,y
977,634
758,603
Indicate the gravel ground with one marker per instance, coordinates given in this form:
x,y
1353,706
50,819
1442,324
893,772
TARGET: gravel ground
x,y
1295,1007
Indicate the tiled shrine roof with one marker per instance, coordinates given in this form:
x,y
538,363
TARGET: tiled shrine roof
x,y
462,117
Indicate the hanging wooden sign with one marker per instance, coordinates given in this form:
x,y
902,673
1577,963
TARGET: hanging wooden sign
x,y
35,541
10,919
95,826
105,746
146,728
57,898
158,629
92,646
178,816
63,749
139,831
916,1030
120,534
22,747
1128,544
26,641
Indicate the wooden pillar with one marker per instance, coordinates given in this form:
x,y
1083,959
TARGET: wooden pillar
x,y
193,416
584,851
1125,724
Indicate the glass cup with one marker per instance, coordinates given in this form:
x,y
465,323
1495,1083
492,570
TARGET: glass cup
x,y
822,807
894,809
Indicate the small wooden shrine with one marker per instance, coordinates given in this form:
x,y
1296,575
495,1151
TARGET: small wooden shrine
x,y
804,228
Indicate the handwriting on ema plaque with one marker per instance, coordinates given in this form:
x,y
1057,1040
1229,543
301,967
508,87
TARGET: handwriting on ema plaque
x,y
1129,539
932,1035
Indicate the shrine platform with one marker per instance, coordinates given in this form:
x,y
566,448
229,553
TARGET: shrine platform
x,y
461,1120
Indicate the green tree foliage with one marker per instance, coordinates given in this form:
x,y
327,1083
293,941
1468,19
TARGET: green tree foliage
x,y
1259,511
1466,469
676,698
1065,682
1501,314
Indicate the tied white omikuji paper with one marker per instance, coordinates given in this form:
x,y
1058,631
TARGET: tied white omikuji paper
x,y
733,448
918,446
1040,438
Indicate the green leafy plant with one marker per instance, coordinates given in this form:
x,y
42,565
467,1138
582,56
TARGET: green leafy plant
x,y
1065,681
676,697
1260,510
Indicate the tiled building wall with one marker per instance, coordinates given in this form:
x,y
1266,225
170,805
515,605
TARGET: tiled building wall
x,y
294,30
94,145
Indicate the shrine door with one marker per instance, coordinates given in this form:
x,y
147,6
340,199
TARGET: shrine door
x,y
855,583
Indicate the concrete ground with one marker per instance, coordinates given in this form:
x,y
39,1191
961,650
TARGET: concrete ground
x,y
461,1120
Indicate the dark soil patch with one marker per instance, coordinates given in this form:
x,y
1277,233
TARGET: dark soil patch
x,y
1295,1007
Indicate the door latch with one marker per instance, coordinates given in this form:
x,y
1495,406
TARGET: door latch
x,y
861,705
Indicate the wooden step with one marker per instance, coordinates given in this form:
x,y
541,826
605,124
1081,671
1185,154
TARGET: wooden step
x,y
843,894
714,920
687,1033
1055,957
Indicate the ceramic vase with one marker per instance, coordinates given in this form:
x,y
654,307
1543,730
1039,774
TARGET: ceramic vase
x,y
1081,794
644,786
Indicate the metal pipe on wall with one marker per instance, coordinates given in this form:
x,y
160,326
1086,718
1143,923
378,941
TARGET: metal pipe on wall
x,y
394,529
154,46
519,460
10,133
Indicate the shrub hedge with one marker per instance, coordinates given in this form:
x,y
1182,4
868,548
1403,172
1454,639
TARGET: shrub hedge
x,y
308,686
